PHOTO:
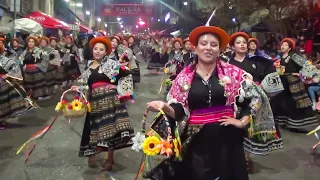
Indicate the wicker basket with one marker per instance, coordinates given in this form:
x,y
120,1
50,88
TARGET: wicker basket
x,y
71,113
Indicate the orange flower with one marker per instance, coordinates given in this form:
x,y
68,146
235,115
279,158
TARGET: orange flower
x,y
166,148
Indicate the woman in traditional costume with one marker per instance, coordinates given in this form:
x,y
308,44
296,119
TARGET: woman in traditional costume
x,y
107,127
14,50
61,73
73,68
165,47
125,42
262,72
253,47
176,58
35,65
155,57
13,97
116,41
202,102
292,108
132,44
51,73
188,55
129,59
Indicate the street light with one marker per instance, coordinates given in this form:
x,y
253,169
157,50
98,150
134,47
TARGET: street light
x,y
105,25
79,4
88,13
66,0
158,20
137,26
98,19
118,19
121,26
185,3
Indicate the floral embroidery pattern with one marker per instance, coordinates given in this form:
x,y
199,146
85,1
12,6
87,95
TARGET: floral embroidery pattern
x,y
226,72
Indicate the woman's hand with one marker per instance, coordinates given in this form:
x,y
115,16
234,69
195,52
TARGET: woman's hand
x,y
155,106
226,121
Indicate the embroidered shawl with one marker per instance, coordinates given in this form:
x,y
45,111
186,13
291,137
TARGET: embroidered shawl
x,y
111,69
37,54
11,67
237,83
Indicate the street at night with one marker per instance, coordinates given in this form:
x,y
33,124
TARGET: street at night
x,y
159,89
55,156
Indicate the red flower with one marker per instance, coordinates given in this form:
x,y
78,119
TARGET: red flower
x,y
63,102
70,106
77,97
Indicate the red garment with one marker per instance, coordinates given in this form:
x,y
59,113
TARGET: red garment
x,y
308,47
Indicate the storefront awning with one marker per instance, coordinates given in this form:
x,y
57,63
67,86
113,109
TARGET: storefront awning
x,y
85,29
47,21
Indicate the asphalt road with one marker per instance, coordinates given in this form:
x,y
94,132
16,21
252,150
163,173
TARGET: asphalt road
x,y
55,156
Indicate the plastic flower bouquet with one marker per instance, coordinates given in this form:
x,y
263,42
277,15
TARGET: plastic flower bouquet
x,y
76,108
159,139
157,143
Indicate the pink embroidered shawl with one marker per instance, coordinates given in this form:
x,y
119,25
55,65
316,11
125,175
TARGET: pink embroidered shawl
x,y
236,75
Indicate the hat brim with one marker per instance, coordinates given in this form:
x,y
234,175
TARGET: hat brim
x,y
119,40
237,34
44,38
186,40
197,32
16,39
290,41
177,40
253,40
52,38
2,40
102,40
70,37
36,40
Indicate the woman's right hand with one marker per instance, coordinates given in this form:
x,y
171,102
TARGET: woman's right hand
x,y
155,106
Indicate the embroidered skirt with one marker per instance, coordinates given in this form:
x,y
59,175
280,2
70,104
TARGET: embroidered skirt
x,y
155,61
108,126
12,103
51,76
73,70
40,83
210,151
61,75
292,107
259,146
136,74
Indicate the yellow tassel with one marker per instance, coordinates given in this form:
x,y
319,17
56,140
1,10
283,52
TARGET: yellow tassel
x,y
161,85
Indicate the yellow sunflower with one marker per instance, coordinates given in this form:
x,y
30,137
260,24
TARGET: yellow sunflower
x,y
58,107
76,105
166,70
151,146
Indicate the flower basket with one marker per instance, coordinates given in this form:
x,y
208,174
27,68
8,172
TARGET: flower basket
x,y
76,108
170,68
158,143
159,140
